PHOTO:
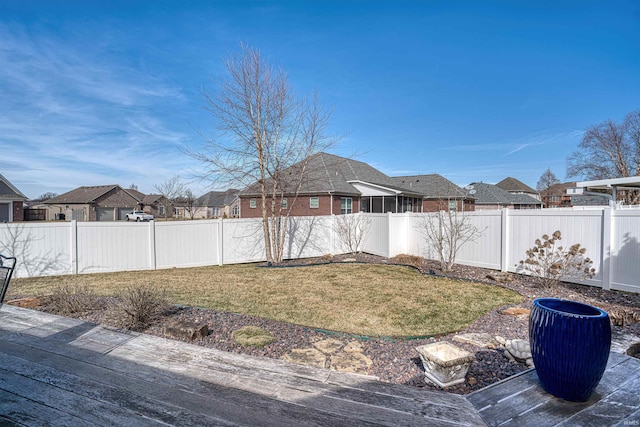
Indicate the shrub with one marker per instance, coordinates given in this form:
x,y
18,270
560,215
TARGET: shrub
x,y
551,264
140,306
70,298
252,336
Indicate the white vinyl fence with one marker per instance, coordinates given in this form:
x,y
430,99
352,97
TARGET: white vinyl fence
x,y
611,236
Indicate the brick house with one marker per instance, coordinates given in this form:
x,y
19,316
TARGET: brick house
x,y
11,202
155,204
557,196
95,203
338,185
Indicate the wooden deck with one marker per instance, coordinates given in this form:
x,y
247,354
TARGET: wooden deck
x,y
56,371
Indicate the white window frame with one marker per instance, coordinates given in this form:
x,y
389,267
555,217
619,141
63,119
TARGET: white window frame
x,y
346,209
284,203
314,202
252,203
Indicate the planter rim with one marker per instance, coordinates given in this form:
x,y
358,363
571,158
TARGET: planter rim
x,y
598,312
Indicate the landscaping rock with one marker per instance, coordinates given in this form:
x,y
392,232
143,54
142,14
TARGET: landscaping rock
x,y
500,277
329,345
355,362
353,347
477,339
307,356
516,311
187,330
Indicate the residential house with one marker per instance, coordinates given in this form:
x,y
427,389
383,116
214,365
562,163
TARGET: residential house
x,y
561,196
490,197
155,204
218,204
515,186
335,185
95,203
11,202
438,193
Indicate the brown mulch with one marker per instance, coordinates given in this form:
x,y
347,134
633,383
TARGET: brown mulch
x,y
396,361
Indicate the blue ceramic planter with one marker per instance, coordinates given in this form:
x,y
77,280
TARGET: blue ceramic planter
x,y
570,344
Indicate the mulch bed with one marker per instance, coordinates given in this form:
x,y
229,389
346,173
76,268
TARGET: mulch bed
x,y
396,361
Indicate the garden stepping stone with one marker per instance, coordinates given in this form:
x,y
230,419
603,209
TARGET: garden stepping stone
x,y
477,339
353,347
306,356
329,345
354,362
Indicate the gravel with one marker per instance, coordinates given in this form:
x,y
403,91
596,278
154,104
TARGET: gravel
x,y
397,361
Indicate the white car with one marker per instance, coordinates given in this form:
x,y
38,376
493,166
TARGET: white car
x,y
139,216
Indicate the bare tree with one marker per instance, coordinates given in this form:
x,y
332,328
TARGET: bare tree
x,y
190,202
351,229
609,150
547,180
446,232
264,129
172,190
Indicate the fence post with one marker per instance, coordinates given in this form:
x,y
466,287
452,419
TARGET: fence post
x,y
607,245
332,234
220,242
74,246
152,245
504,240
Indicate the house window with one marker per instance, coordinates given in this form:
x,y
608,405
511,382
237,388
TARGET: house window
x,y
252,203
160,210
346,205
453,205
216,212
284,203
314,202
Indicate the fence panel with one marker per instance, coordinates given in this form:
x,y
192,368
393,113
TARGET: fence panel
x,y
114,246
485,250
625,252
377,240
309,236
42,249
186,243
576,226
242,241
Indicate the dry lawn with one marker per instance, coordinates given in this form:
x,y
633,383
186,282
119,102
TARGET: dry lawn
x,y
375,300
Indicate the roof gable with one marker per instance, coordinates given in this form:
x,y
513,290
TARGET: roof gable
x,y
88,194
513,185
9,191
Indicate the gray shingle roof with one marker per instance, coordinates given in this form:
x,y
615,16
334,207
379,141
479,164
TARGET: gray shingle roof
x,y
513,185
488,194
89,194
432,186
214,199
328,173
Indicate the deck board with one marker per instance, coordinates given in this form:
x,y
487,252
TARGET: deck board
x,y
64,372
78,373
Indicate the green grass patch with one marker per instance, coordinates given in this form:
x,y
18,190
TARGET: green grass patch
x,y
363,299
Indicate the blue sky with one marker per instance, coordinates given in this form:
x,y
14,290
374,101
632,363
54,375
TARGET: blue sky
x,y
95,92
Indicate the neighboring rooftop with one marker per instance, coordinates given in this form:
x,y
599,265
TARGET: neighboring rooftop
x,y
488,194
432,186
513,185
